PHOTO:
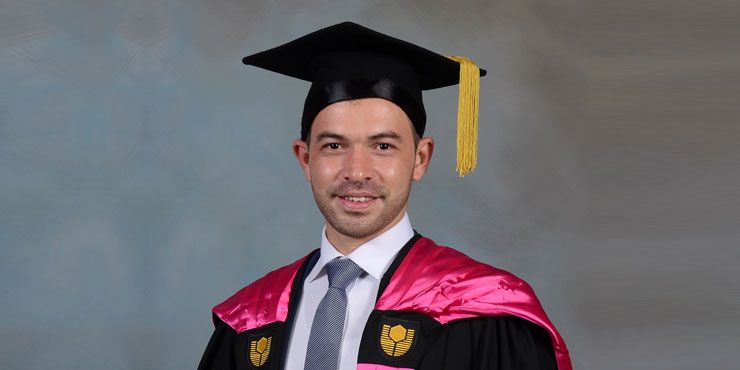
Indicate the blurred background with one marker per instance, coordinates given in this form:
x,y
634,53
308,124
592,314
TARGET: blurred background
x,y
146,174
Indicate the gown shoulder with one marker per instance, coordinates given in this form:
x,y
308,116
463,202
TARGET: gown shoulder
x,y
500,342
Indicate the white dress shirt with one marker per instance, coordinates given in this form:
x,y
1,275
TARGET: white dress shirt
x,y
375,256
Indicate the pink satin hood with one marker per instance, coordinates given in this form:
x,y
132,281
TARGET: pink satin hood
x,y
437,281
263,302
447,285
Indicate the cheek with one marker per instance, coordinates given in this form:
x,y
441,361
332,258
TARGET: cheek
x,y
323,170
396,170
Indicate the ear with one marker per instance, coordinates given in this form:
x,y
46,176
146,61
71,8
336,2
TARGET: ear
x,y
424,151
300,151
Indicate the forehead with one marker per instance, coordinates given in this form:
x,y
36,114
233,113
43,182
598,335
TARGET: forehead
x,y
362,116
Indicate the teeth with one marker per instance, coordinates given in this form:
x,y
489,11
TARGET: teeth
x,y
358,199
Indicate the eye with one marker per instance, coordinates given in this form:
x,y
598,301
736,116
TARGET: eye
x,y
333,146
384,146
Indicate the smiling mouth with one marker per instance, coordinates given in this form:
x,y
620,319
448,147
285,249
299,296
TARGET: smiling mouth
x,y
358,199
357,203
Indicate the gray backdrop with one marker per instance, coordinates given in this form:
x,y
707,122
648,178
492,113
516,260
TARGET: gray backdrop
x,y
145,174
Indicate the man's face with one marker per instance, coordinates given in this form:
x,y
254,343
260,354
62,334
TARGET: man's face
x,y
361,160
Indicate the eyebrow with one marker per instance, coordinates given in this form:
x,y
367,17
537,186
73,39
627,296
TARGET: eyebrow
x,y
386,135
382,135
330,135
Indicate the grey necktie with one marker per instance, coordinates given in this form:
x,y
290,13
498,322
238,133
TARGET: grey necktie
x,y
325,340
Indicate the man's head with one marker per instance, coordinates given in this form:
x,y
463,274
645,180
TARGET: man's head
x,y
360,158
365,103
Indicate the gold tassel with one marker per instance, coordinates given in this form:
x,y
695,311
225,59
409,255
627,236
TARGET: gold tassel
x,y
467,115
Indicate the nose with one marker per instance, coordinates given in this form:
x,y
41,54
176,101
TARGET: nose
x,y
358,166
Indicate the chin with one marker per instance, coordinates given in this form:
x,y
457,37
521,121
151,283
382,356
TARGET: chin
x,y
360,224
357,229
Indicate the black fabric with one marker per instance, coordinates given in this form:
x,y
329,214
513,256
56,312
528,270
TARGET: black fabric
x,y
386,279
230,350
371,352
490,343
296,291
502,342
322,95
220,352
296,58
334,59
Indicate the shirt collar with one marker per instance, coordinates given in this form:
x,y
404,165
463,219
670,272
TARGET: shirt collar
x,y
374,256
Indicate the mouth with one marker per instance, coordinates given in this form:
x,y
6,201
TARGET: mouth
x,y
355,202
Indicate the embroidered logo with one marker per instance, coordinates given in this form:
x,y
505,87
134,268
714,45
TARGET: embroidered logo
x,y
397,338
259,351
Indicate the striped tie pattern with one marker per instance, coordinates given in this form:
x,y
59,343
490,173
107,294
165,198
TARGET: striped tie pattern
x,y
325,339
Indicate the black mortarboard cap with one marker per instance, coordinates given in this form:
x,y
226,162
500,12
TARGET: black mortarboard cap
x,y
348,61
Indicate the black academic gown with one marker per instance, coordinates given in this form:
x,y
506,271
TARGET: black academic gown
x,y
249,335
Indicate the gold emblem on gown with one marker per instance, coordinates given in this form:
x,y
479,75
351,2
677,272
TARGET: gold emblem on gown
x,y
259,351
396,340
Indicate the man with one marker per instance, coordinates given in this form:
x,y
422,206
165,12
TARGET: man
x,y
377,295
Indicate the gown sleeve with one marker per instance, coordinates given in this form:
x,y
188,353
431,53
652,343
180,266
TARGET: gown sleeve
x,y
219,354
491,343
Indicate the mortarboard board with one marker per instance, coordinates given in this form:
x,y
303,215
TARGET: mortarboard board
x,y
348,61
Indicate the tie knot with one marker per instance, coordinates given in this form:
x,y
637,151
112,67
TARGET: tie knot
x,y
342,272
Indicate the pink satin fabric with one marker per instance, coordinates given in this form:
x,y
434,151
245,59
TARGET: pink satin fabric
x,y
439,282
447,285
379,367
263,302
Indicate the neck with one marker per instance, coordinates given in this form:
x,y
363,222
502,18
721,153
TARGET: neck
x,y
346,244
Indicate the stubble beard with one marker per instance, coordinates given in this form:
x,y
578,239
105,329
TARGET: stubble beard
x,y
359,225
